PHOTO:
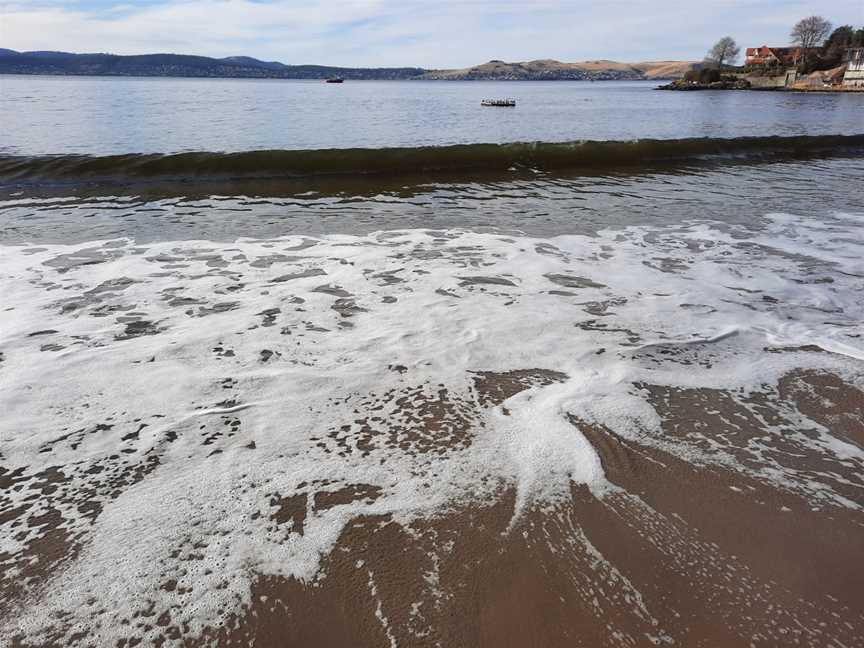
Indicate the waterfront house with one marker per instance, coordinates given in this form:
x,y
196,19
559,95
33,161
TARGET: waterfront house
x,y
854,76
776,56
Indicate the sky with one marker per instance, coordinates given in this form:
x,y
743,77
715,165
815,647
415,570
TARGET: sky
x,y
439,34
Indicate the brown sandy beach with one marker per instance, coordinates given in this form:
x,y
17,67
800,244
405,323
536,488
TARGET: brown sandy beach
x,y
680,555
673,553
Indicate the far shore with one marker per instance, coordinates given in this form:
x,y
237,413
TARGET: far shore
x,y
695,87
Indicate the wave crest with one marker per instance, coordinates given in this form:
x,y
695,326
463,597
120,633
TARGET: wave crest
x,y
462,157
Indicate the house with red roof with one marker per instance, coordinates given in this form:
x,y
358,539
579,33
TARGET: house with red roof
x,y
776,56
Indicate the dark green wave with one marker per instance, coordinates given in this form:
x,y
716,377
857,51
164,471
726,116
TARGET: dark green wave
x,y
539,155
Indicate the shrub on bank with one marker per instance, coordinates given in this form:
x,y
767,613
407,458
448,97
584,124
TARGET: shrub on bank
x,y
704,76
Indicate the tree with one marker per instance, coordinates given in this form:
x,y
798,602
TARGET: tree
x,y
725,50
838,42
809,33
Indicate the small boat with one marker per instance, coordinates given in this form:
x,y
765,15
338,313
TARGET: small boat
x,y
335,80
502,103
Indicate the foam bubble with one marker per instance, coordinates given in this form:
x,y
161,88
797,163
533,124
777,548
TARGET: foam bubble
x,y
217,411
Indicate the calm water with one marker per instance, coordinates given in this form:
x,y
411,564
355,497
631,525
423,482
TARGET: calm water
x,y
100,115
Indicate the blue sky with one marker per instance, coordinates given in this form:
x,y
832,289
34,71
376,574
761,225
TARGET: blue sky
x,y
444,33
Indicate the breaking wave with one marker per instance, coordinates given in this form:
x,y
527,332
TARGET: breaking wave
x,y
464,157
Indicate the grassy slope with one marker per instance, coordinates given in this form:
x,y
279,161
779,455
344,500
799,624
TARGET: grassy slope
x,y
651,69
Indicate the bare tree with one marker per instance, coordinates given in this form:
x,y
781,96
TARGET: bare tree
x,y
809,33
725,50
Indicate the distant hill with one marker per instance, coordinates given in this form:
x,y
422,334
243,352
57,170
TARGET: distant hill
x,y
551,70
665,69
180,65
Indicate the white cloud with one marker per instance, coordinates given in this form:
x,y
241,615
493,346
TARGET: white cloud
x,y
445,33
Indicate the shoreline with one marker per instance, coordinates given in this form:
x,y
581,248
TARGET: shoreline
x,y
677,86
347,80
416,504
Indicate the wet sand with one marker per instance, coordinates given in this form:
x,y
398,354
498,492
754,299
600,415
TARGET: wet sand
x,y
675,555
670,553
436,438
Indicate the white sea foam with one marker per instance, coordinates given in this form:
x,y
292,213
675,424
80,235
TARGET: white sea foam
x,y
304,347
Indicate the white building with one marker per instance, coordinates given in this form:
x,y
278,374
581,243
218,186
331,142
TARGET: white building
x,y
854,77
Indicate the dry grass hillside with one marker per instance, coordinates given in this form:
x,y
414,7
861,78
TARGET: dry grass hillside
x,y
549,69
664,69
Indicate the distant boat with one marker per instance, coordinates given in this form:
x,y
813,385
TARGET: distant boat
x,y
503,103
335,80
